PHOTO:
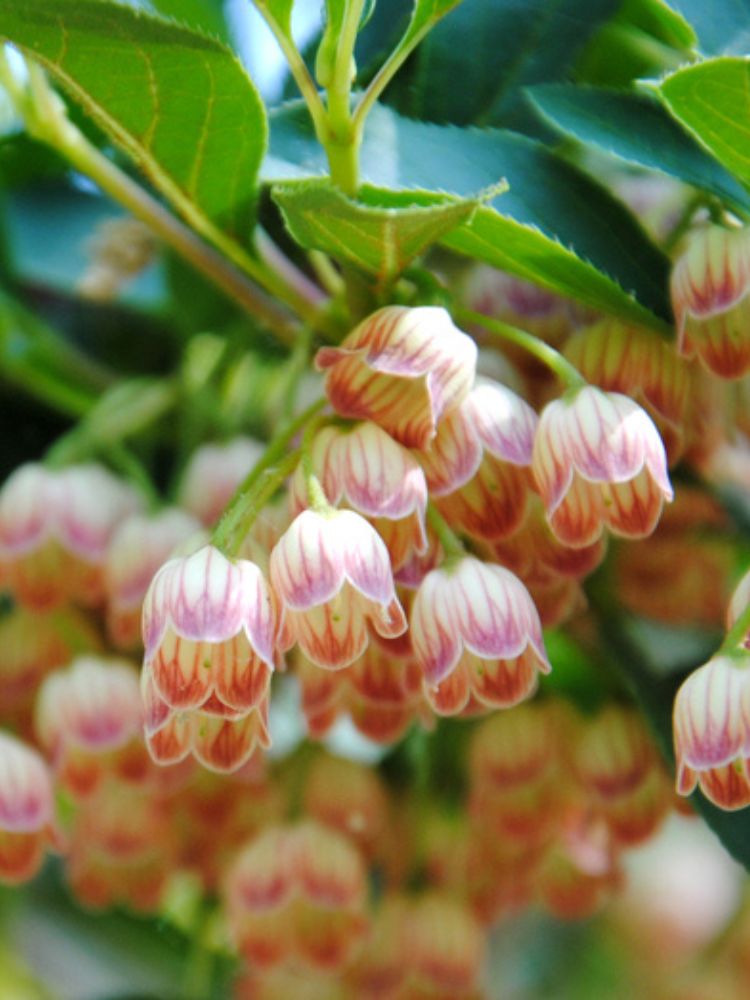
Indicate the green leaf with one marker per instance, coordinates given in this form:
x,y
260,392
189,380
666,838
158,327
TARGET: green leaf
x,y
712,99
721,25
426,14
473,67
639,130
202,15
179,103
555,226
381,236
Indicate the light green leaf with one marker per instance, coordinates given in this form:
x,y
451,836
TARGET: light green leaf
x,y
712,99
381,234
555,226
637,129
426,14
179,103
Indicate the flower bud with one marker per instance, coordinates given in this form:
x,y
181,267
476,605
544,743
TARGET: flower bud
x,y
213,474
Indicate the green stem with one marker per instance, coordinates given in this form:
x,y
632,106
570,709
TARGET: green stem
x,y
243,507
298,69
341,140
565,371
451,543
47,121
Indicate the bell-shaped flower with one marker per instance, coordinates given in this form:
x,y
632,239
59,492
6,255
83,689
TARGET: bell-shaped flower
x,y
213,474
477,619
403,368
446,945
88,718
620,357
297,892
478,465
712,731
366,469
332,575
709,286
26,810
598,460
347,796
209,630
55,525
220,738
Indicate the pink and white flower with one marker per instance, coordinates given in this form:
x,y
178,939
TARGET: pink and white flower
x,y
138,548
55,525
598,460
373,474
209,630
402,368
26,810
476,622
478,465
712,731
88,718
332,574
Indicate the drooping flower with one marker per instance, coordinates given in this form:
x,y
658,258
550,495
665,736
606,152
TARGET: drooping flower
x,y
402,368
621,357
377,477
26,810
332,574
55,525
446,945
709,285
478,465
712,731
137,549
297,892
598,460
209,630
476,621
88,718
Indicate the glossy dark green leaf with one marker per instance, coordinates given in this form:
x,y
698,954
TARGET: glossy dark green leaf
x,y
555,226
637,129
179,103
382,235
712,99
474,65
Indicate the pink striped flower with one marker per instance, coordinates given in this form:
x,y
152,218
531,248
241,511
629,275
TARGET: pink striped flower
x,y
297,892
478,465
475,631
220,738
332,574
710,284
26,810
402,368
55,525
712,731
88,718
209,630
138,548
373,474
598,460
